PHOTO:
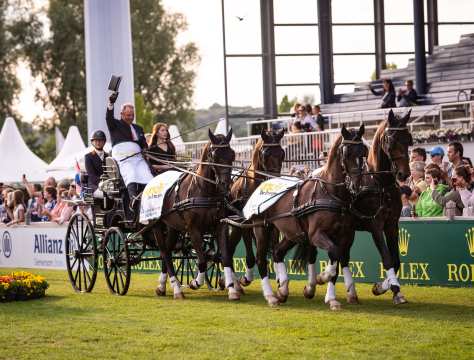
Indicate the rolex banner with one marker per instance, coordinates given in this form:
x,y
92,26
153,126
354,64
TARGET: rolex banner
x,y
432,252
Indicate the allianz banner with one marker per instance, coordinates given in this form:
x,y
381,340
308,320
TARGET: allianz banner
x,y
39,246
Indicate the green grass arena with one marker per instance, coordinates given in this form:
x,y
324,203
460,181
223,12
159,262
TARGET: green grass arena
x,y
437,323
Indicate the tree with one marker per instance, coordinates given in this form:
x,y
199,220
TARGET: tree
x,y
18,26
389,66
163,73
285,105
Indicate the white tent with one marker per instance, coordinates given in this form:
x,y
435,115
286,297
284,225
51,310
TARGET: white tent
x,y
220,128
16,158
176,138
59,139
63,166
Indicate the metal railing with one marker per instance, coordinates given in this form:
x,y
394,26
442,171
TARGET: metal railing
x,y
305,148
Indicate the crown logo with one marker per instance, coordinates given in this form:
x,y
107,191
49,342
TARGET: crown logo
x,y
470,240
403,241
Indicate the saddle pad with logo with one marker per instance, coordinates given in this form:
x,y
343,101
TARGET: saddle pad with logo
x,y
151,204
268,194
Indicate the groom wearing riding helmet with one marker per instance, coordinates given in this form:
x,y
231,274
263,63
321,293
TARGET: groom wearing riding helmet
x,y
95,160
128,140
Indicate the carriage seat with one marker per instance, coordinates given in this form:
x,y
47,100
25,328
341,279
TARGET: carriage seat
x,y
111,182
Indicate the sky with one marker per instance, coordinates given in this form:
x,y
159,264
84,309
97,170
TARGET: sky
x,y
243,36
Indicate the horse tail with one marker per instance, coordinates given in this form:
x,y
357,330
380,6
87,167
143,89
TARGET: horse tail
x,y
301,255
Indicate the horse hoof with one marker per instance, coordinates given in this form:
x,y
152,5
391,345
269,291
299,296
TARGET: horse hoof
x,y
221,284
377,289
194,285
240,290
309,291
178,296
234,295
272,300
244,281
399,299
334,305
353,299
321,280
281,296
160,291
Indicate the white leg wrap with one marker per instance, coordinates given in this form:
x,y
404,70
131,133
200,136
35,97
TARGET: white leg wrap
x,y
249,274
200,278
330,293
175,285
312,274
348,281
266,287
280,269
392,277
228,277
163,278
331,269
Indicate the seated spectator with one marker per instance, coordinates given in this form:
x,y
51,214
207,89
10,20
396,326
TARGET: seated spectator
x,y
426,206
62,211
455,156
5,211
418,154
18,208
318,118
294,109
49,202
306,120
417,179
461,194
388,94
408,96
406,206
34,203
437,154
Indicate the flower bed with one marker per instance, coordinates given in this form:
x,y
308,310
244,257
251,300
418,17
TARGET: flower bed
x,y
22,286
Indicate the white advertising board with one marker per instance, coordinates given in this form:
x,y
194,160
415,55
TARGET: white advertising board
x,y
36,246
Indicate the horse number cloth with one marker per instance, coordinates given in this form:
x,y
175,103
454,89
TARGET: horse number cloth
x,y
152,198
133,169
268,194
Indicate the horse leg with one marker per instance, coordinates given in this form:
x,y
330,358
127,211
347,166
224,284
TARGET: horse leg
x,y
310,288
391,233
226,254
168,266
196,240
262,264
330,297
322,240
249,258
279,252
380,288
351,293
231,243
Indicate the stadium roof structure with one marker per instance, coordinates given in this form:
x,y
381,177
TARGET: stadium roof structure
x,y
73,149
17,158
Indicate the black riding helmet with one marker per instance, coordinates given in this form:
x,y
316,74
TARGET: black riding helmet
x,y
98,135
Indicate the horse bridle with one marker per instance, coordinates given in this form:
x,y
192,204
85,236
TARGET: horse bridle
x,y
349,173
264,149
386,141
210,160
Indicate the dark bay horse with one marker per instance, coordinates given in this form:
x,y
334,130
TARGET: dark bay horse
x,y
377,206
316,211
267,157
196,207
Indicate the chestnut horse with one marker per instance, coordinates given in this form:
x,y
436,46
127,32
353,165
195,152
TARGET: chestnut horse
x,y
196,207
315,212
267,158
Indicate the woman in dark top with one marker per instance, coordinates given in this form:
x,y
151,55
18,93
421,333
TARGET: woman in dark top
x,y
388,93
161,146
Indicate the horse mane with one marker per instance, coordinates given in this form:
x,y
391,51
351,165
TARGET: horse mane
x,y
373,158
332,156
255,164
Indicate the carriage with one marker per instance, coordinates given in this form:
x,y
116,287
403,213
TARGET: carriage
x,y
99,236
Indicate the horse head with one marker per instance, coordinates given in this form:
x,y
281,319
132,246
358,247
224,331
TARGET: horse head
x,y
395,143
353,157
220,153
271,154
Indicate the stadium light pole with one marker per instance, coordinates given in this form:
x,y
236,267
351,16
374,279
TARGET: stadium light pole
x,y
225,69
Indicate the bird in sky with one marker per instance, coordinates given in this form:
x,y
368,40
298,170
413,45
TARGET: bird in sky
x,y
240,18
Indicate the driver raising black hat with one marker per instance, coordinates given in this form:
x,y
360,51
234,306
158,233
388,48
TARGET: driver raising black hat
x,y
95,159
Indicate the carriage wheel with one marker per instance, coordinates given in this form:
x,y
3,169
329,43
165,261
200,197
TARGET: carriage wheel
x,y
81,253
116,261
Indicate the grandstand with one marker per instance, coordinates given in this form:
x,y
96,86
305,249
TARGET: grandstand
x,y
447,103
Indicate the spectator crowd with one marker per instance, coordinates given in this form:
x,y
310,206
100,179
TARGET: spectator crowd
x,y
439,187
